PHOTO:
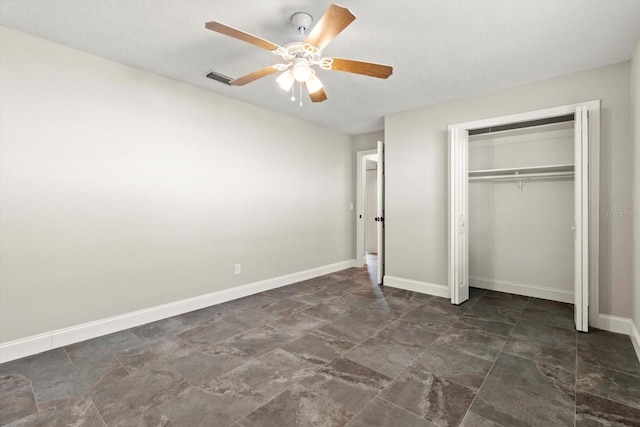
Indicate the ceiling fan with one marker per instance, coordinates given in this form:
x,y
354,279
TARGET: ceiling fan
x,y
300,58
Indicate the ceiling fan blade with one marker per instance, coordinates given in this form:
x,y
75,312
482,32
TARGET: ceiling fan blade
x,y
365,68
264,72
318,96
334,20
240,35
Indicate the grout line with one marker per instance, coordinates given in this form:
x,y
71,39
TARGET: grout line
x,y
611,400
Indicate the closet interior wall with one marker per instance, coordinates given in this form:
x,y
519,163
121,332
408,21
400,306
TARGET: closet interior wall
x,y
520,229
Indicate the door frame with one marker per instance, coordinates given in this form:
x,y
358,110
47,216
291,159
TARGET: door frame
x,y
360,203
458,207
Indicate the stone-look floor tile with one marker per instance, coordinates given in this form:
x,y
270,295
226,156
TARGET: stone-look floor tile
x,y
259,341
76,412
592,411
412,296
496,314
518,391
16,398
201,368
298,407
198,317
280,293
411,337
473,343
427,314
318,347
298,324
559,319
349,385
162,328
543,343
381,413
449,362
97,350
375,315
475,420
349,328
220,408
252,318
153,355
206,336
54,378
610,384
610,350
503,300
246,303
134,395
270,374
328,311
286,307
549,312
483,325
381,355
428,396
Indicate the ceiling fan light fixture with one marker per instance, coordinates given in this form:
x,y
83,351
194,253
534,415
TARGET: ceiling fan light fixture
x,y
313,83
301,70
285,80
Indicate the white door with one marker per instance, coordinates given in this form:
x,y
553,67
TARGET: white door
x,y
581,227
380,213
458,214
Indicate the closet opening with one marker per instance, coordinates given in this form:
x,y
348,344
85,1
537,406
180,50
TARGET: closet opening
x,y
521,210
523,206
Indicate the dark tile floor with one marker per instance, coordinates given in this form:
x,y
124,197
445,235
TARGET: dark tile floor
x,y
335,351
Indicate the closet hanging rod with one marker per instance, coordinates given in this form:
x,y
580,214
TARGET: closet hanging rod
x,y
516,176
521,125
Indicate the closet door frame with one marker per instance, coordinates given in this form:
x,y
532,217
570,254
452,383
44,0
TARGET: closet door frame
x,y
590,182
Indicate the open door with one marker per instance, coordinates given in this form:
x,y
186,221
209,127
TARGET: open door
x,y
458,214
581,224
380,213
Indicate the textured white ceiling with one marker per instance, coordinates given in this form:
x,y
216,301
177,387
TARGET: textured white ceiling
x,y
440,50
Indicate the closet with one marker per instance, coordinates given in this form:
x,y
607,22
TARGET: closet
x,y
523,206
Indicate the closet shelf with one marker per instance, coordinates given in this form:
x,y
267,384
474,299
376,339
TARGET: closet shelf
x,y
538,172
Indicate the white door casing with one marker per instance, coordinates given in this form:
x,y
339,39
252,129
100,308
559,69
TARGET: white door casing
x,y
380,213
581,223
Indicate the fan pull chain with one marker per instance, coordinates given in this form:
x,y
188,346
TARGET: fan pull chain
x,y
301,94
293,93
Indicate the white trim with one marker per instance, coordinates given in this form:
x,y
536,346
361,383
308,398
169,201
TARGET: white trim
x,y
635,338
42,342
619,325
360,206
525,289
416,286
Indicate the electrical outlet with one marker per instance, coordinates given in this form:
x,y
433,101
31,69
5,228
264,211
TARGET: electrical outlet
x,y
238,269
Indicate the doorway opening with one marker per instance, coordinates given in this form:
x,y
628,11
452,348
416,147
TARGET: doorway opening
x,y
370,212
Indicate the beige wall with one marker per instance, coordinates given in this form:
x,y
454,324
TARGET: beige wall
x,y
123,190
416,175
635,108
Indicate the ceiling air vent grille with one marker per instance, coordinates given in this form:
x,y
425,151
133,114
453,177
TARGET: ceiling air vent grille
x,y
219,77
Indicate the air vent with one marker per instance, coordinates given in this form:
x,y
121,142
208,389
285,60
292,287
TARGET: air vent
x,y
219,77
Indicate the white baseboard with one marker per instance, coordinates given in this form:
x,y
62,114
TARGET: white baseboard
x,y
635,338
416,286
42,342
619,325
522,289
